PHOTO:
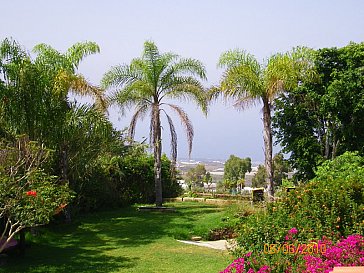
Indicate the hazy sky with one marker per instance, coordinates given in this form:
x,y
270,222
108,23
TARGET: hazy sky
x,y
201,29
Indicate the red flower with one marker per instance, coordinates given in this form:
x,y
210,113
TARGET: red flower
x,y
31,193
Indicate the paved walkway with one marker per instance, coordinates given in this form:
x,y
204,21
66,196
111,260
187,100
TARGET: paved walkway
x,y
220,244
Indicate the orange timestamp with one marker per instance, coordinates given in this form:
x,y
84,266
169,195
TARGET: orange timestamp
x,y
292,249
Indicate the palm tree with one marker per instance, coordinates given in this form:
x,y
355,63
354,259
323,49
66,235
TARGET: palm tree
x,y
34,93
249,82
59,71
146,83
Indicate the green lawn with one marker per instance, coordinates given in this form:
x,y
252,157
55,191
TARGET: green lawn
x,y
126,240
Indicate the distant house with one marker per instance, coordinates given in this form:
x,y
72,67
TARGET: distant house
x,y
183,184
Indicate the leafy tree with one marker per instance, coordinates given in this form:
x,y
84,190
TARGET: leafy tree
x,y
235,169
316,122
280,169
208,180
196,176
28,196
260,177
248,82
146,83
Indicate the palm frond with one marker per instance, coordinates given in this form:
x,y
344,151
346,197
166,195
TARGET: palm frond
x,y
10,50
150,52
186,89
237,57
120,75
45,49
186,122
13,59
242,77
87,118
189,66
140,113
279,74
241,81
137,90
246,102
80,86
51,60
284,71
173,138
213,93
77,52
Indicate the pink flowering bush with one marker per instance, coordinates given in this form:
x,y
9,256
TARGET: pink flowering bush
x,y
347,252
246,264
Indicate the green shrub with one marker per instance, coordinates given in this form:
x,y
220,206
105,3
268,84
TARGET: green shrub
x,y
331,205
117,181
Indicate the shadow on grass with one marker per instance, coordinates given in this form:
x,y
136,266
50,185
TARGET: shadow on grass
x,y
49,258
99,242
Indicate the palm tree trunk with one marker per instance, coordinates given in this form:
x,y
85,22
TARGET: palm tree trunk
x,y
268,147
157,143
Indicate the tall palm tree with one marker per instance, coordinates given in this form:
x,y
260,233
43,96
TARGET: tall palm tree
x,y
59,71
147,83
249,82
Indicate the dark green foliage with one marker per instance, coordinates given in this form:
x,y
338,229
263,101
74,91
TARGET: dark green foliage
x,y
332,205
318,121
116,181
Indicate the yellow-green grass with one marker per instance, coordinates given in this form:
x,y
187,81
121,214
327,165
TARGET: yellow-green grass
x,y
127,240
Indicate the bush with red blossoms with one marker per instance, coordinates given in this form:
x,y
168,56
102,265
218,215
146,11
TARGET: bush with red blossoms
x,y
28,195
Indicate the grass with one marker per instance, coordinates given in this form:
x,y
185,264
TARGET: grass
x,y
126,240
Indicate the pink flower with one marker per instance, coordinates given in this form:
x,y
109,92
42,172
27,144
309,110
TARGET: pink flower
x,y
293,231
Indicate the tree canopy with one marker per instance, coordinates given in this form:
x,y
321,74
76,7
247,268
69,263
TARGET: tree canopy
x,y
321,120
235,169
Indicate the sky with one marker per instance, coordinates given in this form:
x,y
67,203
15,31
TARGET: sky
x,y
200,29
